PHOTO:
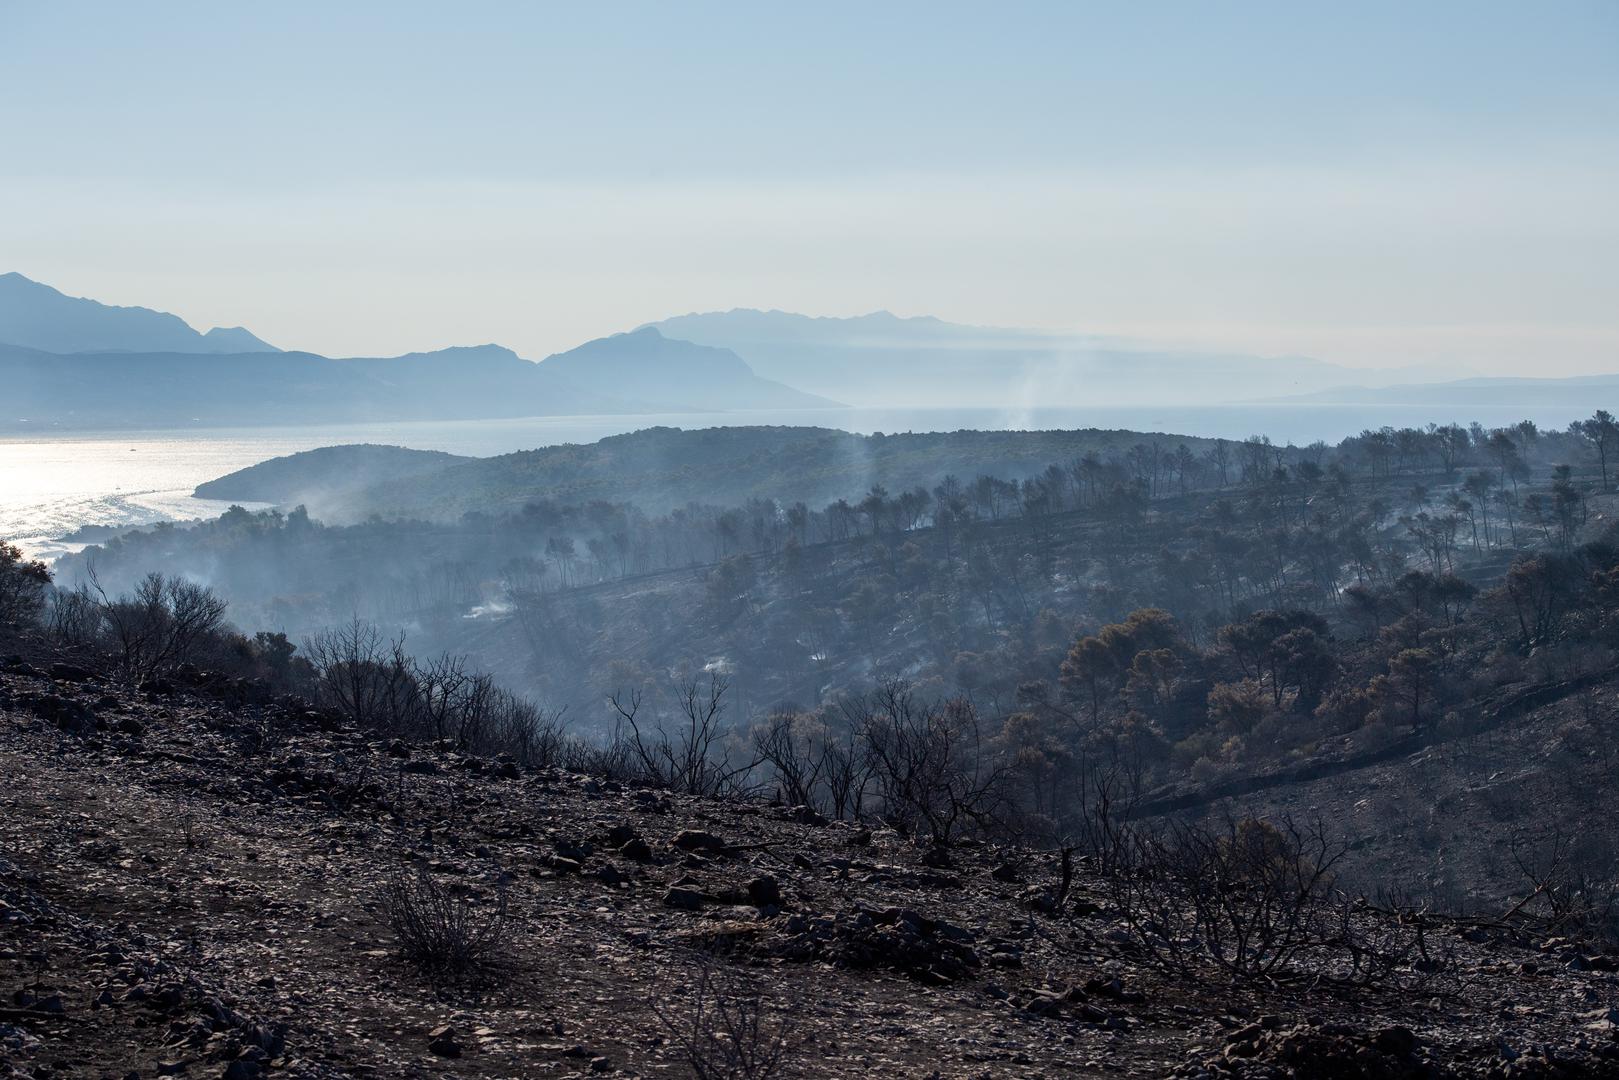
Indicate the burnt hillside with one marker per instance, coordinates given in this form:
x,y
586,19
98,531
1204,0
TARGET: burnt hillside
x,y
205,882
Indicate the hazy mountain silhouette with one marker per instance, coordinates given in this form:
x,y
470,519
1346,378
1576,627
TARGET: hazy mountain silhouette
x,y
492,380
166,389
131,367
37,316
162,389
79,363
677,373
771,327
228,339
159,389
884,359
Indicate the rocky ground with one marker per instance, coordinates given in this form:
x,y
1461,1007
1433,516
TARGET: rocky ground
x,y
194,885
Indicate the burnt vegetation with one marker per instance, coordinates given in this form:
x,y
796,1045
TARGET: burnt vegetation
x,y
1242,715
447,940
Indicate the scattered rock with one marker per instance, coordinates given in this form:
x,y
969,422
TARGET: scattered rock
x,y
68,673
443,1041
806,815
1037,898
636,850
1113,988
684,899
697,840
764,891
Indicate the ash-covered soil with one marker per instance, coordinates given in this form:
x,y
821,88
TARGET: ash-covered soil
x,y
192,884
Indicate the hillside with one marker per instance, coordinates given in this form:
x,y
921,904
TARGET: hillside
x,y
663,468
1421,653
36,316
342,471
200,880
1261,761
1525,776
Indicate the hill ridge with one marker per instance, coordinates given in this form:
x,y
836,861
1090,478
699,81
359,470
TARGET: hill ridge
x,y
38,315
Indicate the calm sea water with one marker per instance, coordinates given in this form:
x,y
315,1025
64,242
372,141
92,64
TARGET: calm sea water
x,y
52,484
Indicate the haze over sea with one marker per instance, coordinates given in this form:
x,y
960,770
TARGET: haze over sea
x,y
56,483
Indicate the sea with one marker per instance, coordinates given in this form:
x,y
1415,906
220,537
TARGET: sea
x,y
61,490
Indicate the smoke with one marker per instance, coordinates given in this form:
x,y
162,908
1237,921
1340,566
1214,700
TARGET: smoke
x,y
490,609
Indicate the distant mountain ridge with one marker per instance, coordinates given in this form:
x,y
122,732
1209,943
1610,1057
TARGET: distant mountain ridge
x,y
36,316
137,368
77,363
882,359
775,324
145,390
675,371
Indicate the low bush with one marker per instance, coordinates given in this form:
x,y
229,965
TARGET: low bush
x,y
725,1029
444,936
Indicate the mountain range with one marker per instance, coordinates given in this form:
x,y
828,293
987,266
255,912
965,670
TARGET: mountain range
x,y
76,363
883,359
36,316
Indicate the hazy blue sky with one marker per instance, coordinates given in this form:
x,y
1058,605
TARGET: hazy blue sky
x,y
1368,183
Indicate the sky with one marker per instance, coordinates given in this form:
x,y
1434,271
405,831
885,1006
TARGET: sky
x,y
1375,184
